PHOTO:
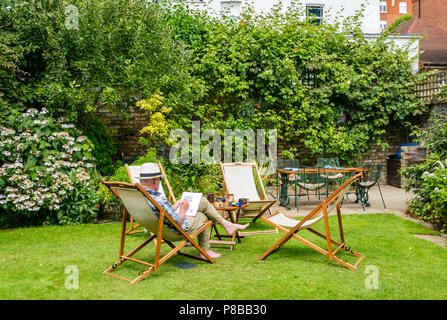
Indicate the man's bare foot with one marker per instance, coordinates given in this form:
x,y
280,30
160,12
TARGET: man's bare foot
x,y
212,254
231,228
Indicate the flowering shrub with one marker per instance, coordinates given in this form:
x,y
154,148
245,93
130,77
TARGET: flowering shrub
x,y
158,128
46,168
428,181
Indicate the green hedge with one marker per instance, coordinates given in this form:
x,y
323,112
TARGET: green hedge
x,y
323,92
196,178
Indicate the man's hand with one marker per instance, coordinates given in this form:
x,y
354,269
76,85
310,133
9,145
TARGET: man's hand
x,y
184,205
176,204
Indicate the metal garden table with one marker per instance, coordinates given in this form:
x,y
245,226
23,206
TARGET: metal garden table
x,y
284,198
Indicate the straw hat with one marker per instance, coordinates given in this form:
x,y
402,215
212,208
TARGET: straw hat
x,y
150,171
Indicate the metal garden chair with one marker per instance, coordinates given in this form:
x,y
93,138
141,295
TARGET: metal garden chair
x,y
330,163
309,182
286,164
370,179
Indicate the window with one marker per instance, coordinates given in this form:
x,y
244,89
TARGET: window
x,y
403,7
382,6
232,8
315,13
383,25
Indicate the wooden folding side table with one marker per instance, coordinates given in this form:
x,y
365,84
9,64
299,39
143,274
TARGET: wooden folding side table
x,y
230,210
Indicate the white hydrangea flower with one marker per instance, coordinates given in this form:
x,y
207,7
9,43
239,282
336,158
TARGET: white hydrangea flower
x,y
81,139
7,132
441,165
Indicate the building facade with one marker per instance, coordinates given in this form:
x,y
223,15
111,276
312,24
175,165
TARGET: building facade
x,y
390,10
429,19
329,10
332,11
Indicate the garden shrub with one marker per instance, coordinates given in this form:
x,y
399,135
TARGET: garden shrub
x,y
104,151
81,55
47,170
9,72
158,128
326,89
75,57
428,180
196,178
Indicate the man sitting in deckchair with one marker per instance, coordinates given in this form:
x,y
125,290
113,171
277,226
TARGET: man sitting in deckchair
x,y
150,180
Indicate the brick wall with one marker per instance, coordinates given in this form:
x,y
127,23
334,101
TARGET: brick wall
x,y
411,156
376,154
125,132
432,11
393,13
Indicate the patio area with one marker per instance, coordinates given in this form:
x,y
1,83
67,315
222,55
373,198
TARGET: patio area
x,y
395,200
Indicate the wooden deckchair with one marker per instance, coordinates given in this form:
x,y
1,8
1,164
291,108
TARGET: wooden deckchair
x,y
238,180
134,173
282,223
135,200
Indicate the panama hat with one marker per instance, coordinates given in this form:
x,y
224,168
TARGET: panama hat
x,y
150,171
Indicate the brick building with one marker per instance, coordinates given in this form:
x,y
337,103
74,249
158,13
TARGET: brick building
x,y
430,19
390,10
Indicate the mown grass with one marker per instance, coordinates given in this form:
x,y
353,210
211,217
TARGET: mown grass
x,y
33,263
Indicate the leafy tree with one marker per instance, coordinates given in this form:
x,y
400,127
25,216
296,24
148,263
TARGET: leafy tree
x,y
81,55
326,89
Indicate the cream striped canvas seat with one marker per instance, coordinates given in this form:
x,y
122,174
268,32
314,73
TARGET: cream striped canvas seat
x,y
291,226
239,180
162,227
133,173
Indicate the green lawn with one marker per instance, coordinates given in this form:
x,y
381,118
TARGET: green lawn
x,y
33,262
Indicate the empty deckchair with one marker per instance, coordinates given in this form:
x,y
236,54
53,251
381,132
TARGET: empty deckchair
x,y
238,180
163,227
292,226
134,176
